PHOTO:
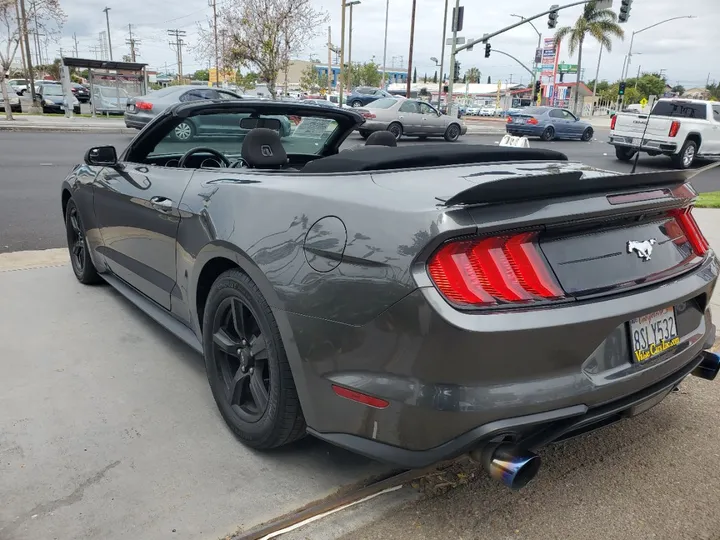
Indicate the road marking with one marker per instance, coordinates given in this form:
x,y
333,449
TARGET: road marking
x,y
25,260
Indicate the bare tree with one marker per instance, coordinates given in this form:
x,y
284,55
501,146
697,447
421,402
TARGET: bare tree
x,y
9,42
262,34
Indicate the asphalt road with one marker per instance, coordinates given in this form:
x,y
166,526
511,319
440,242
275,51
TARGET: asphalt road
x,y
32,165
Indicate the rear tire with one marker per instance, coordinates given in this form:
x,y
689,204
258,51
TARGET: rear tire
x,y
80,260
686,157
452,133
396,129
548,134
623,153
355,104
264,410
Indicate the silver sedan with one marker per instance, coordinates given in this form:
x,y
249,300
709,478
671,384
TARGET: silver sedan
x,y
409,117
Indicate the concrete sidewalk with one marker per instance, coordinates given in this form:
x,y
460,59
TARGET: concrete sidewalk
x,y
60,123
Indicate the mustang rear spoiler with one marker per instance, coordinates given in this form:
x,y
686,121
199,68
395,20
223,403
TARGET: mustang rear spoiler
x,y
544,186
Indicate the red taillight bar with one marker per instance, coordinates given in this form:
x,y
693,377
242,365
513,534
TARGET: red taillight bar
x,y
691,229
674,128
613,120
491,271
143,105
532,121
359,397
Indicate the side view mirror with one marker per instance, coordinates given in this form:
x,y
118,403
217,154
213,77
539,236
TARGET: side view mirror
x,y
101,156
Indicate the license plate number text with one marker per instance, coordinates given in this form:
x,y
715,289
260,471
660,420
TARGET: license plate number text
x,y
653,334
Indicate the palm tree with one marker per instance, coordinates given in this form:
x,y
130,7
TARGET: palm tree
x,y
473,75
600,24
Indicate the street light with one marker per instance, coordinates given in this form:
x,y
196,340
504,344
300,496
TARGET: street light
x,y
387,12
539,45
632,38
107,19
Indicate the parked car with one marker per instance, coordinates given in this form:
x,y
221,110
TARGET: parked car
x,y
321,102
473,110
410,117
408,304
109,99
140,110
489,110
80,92
364,95
20,85
682,129
548,123
14,98
52,99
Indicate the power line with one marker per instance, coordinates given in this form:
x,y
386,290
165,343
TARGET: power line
x,y
133,42
177,47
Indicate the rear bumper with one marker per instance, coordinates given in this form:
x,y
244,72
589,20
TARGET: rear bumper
x,y
648,145
455,380
524,129
136,121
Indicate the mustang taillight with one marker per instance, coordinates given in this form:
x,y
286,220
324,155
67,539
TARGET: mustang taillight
x,y
691,229
491,271
143,105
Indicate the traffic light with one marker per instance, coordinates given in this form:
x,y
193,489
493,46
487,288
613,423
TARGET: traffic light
x,y
621,89
456,75
553,16
538,86
488,48
624,11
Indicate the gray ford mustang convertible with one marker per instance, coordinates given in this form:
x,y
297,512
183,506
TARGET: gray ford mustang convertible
x,y
409,303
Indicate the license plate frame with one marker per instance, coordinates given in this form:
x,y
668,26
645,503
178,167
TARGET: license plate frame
x,y
653,334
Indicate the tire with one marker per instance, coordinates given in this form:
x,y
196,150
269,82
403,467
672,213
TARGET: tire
x,y
259,362
80,260
548,134
623,153
356,103
396,129
452,133
185,131
686,157
364,134
587,135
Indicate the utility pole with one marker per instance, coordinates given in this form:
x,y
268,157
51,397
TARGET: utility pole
x,y
387,12
222,54
349,81
442,54
213,5
36,35
410,54
178,44
638,76
76,45
342,55
21,41
31,75
107,19
133,42
456,14
330,50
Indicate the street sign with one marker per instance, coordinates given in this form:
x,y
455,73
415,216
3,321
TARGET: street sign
x,y
458,41
643,102
538,56
567,68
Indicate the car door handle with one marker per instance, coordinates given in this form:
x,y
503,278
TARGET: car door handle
x,y
161,203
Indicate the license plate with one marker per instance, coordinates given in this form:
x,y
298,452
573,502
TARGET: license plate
x,y
636,141
653,334
519,120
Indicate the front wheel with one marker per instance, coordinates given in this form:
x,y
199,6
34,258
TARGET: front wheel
x,y
246,365
82,264
184,131
452,133
396,129
355,104
587,135
548,134
686,157
623,153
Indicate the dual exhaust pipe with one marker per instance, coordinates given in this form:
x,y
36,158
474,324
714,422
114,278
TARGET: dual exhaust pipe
x,y
515,467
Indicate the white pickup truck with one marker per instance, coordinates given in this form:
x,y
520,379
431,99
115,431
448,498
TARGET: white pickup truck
x,y
680,128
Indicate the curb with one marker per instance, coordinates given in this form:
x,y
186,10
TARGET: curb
x,y
70,129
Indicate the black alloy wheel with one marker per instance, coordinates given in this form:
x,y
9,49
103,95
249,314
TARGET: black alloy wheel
x,y
587,134
548,134
452,133
82,264
246,364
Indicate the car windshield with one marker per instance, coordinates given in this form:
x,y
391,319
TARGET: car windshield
x,y
52,90
384,103
299,134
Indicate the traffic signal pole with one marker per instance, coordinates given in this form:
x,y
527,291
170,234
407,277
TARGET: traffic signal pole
x,y
453,51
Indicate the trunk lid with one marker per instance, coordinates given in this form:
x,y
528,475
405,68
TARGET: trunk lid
x,y
634,124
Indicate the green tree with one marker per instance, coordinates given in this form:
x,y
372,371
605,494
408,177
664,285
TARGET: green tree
x,y
435,78
202,75
311,80
650,84
367,74
714,90
473,75
600,24
425,78
414,75
489,80
678,89
247,81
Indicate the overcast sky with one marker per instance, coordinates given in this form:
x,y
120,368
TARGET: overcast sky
x,y
685,48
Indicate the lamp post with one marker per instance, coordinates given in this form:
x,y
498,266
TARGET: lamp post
x,y
387,11
341,81
442,54
107,19
349,75
539,45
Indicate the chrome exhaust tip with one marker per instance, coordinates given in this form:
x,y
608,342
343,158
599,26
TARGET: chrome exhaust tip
x,y
709,367
508,464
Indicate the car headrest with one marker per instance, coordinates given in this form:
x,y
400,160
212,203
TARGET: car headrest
x,y
263,149
381,138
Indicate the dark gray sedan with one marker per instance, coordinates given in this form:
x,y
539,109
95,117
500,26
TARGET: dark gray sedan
x,y
411,303
549,123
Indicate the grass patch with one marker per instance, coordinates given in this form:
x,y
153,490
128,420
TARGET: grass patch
x,y
708,200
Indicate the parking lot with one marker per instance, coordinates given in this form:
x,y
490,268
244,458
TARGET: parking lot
x,y
108,428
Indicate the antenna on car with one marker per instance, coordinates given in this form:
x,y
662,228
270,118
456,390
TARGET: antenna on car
x,y
642,140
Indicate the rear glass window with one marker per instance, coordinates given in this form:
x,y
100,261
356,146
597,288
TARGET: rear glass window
x,y
384,103
535,110
680,109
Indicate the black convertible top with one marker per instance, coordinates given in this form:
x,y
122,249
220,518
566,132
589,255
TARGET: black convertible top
x,y
379,158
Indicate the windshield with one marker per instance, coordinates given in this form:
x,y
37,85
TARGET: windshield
x,y
52,90
384,103
222,132
680,109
